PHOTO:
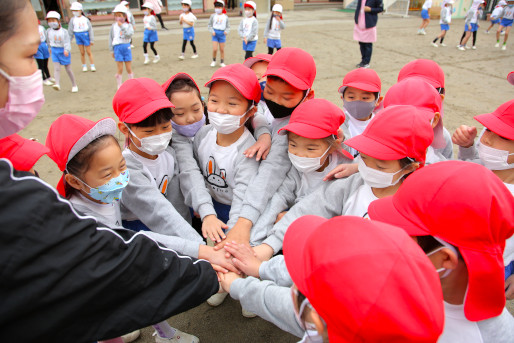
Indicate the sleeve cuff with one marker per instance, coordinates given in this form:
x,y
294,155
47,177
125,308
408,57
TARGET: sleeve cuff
x,y
205,210
250,213
236,288
274,243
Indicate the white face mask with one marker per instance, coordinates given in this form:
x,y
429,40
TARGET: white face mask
x,y
376,178
153,145
54,25
146,12
76,14
306,164
218,10
248,13
311,334
494,159
226,123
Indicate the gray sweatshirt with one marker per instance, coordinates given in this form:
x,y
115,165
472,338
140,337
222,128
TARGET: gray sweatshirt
x,y
89,27
120,35
274,32
150,22
218,22
58,39
248,28
141,199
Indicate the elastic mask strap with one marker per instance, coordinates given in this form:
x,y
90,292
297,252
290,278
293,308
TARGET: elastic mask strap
x,y
4,74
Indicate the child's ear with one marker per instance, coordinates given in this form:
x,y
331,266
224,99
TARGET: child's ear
x,y
123,128
449,259
72,181
310,95
251,112
442,97
437,117
379,101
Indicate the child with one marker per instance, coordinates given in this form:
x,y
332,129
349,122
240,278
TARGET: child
x,y
507,16
495,15
425,17
464,235
314,150
42,56
444,22
22,152
131,19
249,28
391,147
80,27
119,43
187,19
59,41
150,34
365,28
272,30
471,25
219,27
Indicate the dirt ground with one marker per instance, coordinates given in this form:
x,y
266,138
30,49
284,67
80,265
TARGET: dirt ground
x,y
475,83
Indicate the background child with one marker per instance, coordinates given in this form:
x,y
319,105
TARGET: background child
x,y
495,15
131,18
444,22
365,28
471,25
59,41
119,43
42,56
507,16
219,27
425,17
187,19
80,27
272,30
249,28
157,8
150,34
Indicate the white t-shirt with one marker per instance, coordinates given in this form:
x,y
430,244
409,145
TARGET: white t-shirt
x,y
427,4
108,214
189,17
356,127
312,181
433,156
80,24
358,203
162,169
496,12
247,27
219,22
217,164
118,37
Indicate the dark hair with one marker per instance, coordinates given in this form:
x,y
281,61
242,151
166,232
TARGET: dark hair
x,y
375,93
8,21
429,244
159,117
218,4
79,164
183,85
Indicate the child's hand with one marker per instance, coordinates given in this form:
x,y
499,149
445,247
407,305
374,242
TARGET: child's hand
x,y
342,170
66,53
265,40
212,227
245,40
261,147
244,258
218,258
227,279
112,54
214,34
509,287
91,43
263,252
464,136
225,33
280,215
367,9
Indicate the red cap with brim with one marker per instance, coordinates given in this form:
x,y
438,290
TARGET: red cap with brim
x,y
369,281
137,99
241,78
428,70
178,76
440,206
23,153
510,77
363,79
501,121
295,66
250,61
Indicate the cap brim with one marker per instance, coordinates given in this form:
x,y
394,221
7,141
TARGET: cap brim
x,y
106,126
179,76
493,123
304,130
287,76
429,80
243,92
147,110
371,147
360,85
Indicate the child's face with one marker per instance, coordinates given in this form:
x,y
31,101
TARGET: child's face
x,y
142,132
491,139
386,166
119,16
225,99
52,20
259,68
188,107
353,94
185,8
276,14
306,147
282,93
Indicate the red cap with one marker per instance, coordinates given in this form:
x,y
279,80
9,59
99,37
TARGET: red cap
x,y
241,78
417,92
501,121
428,70
441,200
69,134
315,119
250,61
137,99
510,77
369,281
395,133
23,153
178,76
362,78
295,66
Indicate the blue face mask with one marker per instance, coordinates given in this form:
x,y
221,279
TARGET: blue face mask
x,y
262,84
189,130
110,191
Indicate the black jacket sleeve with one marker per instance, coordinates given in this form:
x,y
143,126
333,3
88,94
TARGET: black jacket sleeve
x,y
65,278
371,18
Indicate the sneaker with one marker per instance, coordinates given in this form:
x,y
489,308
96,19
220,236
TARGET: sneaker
x,y
467,47
156,59
132,46
504,47
74,89
497,45
423,32
461,48
131,337
93,69
84,67
434,45
365,65
52,80
56,87
180,337
248,314
419,32
213,63
222,65
194,56
47,82
474,47
486,32
147,60
442,44
181,57
217,299
358,65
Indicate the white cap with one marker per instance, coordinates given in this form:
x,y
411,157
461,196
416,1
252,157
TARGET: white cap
x,y
124,3
219,1
148,5
251,4
76,6
277,8
502,3
120,9
53,14
186,2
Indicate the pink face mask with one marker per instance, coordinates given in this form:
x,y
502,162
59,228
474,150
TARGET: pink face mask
x,y
25,99
120,20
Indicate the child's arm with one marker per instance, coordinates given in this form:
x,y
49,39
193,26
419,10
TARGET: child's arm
x,y
464,137
281,23
241,29
70,29
67,43
127,30
192,22
210,24
227,28
253,33
111,37
266,28
90,30
378,7
261,148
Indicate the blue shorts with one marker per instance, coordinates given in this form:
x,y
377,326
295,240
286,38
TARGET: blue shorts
x,y
274,43
250,46
58,56
82,38
189,33
424,14
445,27
122,53
495,21
219,36
506,22
222,210
509,270
474,27
150,36
42,52
134,225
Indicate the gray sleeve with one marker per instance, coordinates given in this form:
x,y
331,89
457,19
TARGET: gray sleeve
x,y
469,154
127,30
468,18
254,32
269,301
447,151
259,122
272,172
211,22
111,37
153,23
275,270
48,38
240,30
67,43
192,182
132,19
266,29
281,24
227,29
174,194
90,30
444,19
498,329
70,29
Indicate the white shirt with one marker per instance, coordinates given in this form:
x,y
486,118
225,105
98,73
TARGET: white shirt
x,y
80,24
247,27
457,328
162,169
356,127
358,203
58,38
433,156
427,4
312,181
118,36
149,22
189,17
42,33
274,32
109,213
219,22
